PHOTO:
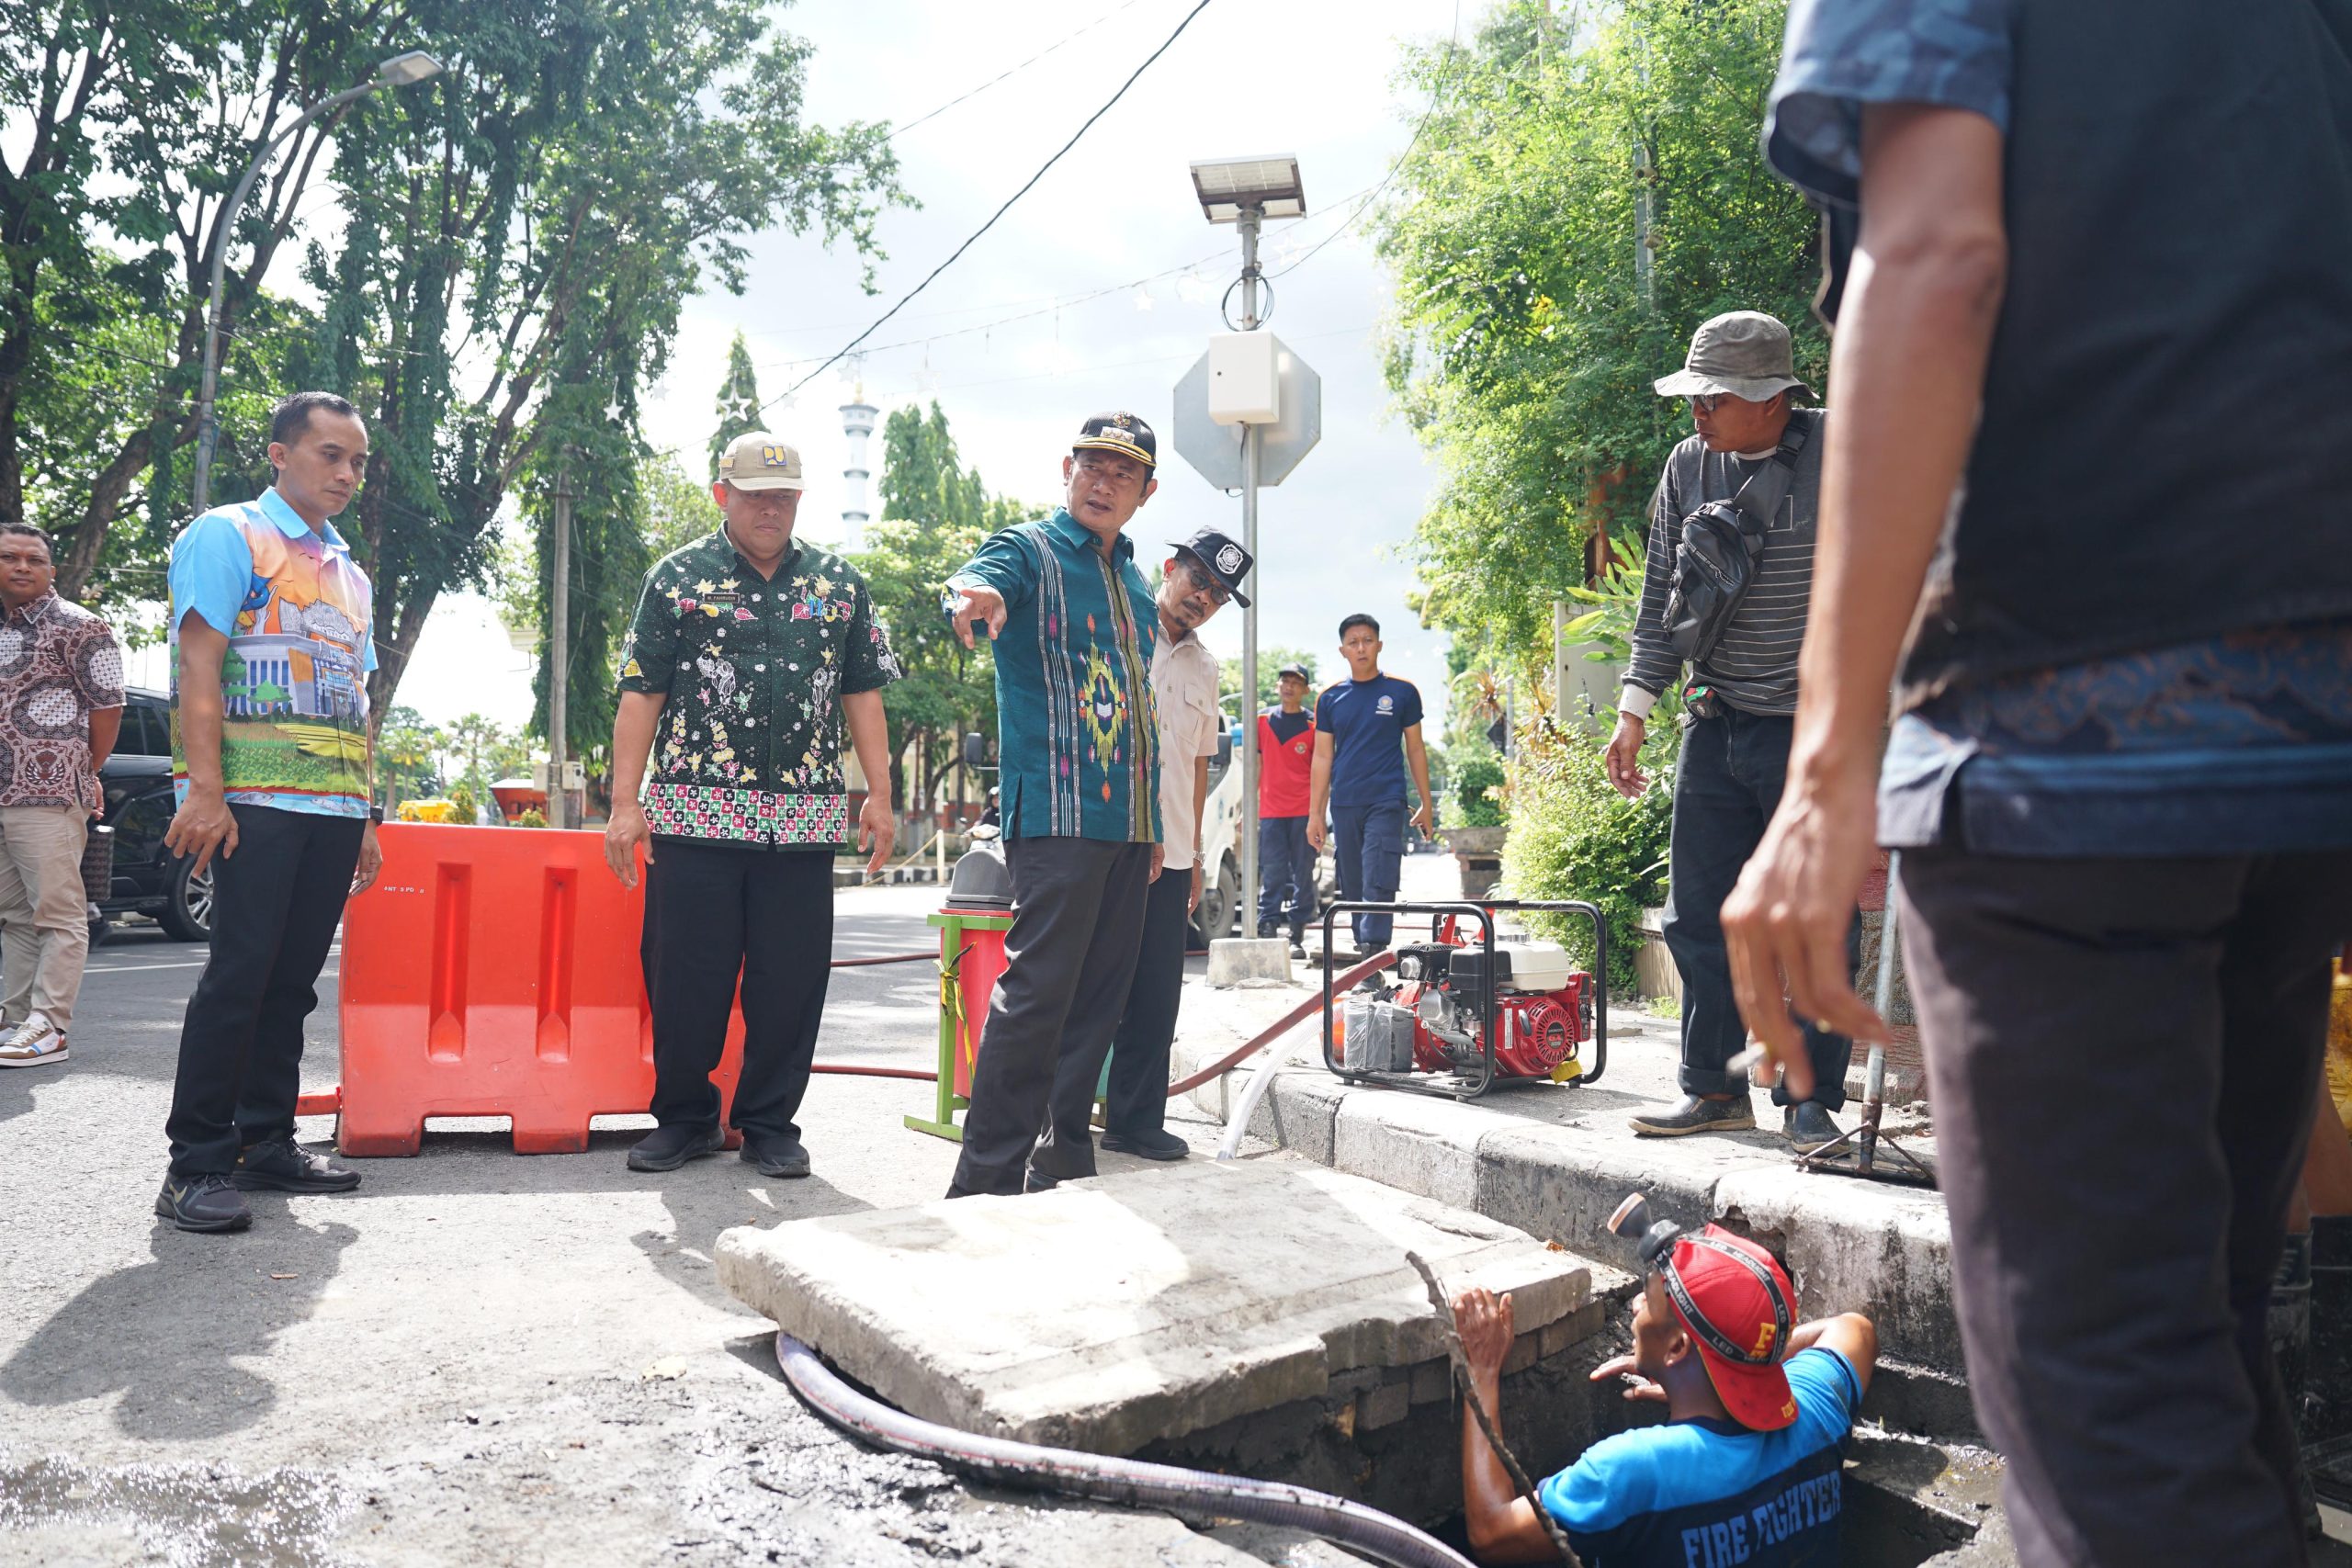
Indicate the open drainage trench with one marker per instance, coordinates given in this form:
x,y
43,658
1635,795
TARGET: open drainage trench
x,y
1372,1463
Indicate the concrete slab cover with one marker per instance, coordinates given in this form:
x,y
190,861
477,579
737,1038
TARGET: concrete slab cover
x,y
1109,1314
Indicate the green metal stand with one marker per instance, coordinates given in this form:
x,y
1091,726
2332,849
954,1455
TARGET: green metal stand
x,y
952,924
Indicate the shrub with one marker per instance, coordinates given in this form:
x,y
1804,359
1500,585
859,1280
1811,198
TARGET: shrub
x,y
1573,836
531,818
467,809
1473,778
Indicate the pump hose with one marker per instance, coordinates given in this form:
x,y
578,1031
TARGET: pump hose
x,y
1194,1493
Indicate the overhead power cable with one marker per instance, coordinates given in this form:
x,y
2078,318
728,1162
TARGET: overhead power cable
x,y
844,351
1437,96
1053,305
1015,70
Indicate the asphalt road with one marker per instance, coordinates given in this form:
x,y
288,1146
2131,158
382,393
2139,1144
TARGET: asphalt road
x,y
476,1357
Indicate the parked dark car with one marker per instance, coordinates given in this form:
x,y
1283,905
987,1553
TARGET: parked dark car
x,y
138,782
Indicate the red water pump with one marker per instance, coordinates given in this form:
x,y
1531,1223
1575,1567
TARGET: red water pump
x,y
1542,1006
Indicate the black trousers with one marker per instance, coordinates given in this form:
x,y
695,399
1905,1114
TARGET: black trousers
x,y
276,904
715,913
1077,924
1726,788
1136,1098
2121,1056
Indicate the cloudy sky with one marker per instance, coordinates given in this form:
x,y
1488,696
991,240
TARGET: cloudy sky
x,y
1007,340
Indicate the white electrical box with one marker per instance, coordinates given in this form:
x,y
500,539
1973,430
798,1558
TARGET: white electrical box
x,y
575,775
1245,377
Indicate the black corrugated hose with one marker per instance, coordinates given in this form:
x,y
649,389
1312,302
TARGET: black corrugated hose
x,y
1190,1494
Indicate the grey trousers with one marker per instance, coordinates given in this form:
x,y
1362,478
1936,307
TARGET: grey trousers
x,y
2122,1056
1070,958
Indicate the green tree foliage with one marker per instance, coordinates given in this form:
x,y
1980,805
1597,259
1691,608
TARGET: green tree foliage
x,y
935,512
481,751
130,122
739,401
1475,784
408,762
521,235
673,510
1270,663
1523,348
1573,836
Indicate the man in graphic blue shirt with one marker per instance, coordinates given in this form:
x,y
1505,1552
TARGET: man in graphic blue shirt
x,y
1746,1471
1368,729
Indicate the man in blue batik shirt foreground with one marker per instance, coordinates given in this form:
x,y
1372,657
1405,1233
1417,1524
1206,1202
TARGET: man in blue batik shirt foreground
x,y
2087,514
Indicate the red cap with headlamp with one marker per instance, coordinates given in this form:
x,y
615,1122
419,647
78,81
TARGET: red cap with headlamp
x,y
1736,1302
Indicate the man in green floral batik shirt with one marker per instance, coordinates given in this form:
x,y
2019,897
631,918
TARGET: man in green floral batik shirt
x,y
748,655
1078,739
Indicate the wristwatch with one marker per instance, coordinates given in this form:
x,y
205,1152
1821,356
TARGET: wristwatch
x,y
375,815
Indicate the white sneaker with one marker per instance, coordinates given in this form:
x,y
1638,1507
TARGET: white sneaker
x,y
32,1043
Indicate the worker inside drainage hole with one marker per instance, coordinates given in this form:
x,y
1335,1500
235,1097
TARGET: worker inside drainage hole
x,y
1745,1468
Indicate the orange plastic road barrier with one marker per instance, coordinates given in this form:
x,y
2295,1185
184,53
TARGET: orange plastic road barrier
x,y
493,972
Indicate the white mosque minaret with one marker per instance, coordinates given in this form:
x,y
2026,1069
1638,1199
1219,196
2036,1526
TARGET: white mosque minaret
x,y
857,423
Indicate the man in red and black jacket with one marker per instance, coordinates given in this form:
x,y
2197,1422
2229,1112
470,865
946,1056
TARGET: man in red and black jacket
x,y
1286,759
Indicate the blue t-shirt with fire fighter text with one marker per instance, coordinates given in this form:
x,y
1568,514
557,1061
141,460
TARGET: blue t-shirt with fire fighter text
x,y
1712,1494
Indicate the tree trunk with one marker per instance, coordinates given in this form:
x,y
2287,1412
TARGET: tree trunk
x,y
107,491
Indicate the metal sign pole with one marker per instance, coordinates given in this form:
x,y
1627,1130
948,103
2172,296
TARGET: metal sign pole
x,y
1250,218
560,651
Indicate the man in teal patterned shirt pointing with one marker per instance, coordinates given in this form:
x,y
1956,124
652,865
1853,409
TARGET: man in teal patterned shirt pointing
x,y
1074,628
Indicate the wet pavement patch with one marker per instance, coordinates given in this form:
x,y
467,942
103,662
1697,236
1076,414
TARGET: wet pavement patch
x,y
188,1515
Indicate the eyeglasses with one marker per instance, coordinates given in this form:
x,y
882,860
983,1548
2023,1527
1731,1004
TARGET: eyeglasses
x,y
1706,402
1202,583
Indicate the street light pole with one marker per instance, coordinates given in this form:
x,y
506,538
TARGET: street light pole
x,y
560,664
1247,223
398,72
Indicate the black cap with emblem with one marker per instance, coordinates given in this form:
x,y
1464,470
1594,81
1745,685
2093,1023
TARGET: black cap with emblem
x,y
1223,560
1122,432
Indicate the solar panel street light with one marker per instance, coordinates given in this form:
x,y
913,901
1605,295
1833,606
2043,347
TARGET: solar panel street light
x,y
1230,186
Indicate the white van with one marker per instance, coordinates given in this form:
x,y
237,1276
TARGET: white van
x,y
1221,820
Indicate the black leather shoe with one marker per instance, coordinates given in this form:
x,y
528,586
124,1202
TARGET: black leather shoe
x,y
1162,1145
207,1203
1808,1126
776,1155
1693,1114
283,1166
1038,1181
667,1149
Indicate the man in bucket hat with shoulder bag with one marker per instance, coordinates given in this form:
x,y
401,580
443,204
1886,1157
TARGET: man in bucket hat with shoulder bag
x,y
1724,595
